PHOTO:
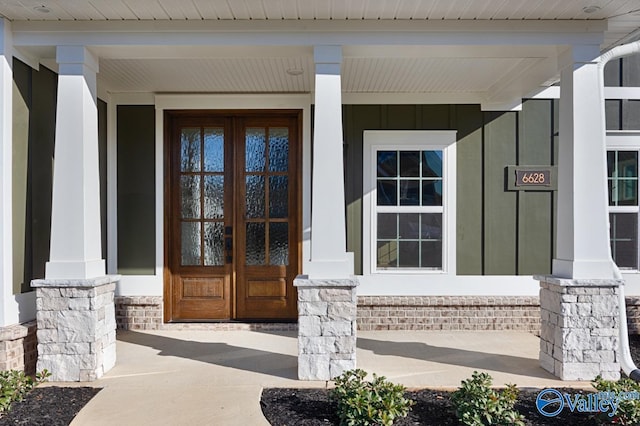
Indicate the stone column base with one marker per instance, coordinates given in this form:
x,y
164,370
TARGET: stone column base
x,y
579,330
76,327
326,327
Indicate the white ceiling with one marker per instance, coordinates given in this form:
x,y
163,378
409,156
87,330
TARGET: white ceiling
x,y
475,70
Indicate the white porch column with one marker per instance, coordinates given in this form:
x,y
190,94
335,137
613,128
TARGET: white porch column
x,y
6,144
329,258
579,304
75,218
583,249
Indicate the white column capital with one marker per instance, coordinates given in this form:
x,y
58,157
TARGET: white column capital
x,y
579,54
75,60
328,59
6,38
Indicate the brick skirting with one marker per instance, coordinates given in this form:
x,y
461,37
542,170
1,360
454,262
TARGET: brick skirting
x,y
449,313
19,347
383,313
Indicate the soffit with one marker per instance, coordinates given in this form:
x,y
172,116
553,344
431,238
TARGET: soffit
x,y
623,15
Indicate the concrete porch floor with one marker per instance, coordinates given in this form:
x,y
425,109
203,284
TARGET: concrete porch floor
x,y
216,377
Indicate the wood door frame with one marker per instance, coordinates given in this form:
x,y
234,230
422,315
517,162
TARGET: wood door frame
x,y
169,116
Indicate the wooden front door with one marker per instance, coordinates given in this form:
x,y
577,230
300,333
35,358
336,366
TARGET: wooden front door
x,y
233,222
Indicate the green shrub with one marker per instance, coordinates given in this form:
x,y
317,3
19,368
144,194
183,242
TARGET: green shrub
x,y
476,404
14,385
628,412
362,403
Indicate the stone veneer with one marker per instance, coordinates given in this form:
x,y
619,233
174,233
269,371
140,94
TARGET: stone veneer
x,y
76,327
579,328
18,347
326,327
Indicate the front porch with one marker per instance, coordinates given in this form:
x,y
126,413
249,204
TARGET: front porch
x,y
204,377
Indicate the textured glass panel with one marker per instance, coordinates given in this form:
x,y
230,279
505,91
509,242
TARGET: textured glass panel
x,y
409,192
190,150
387,193
431,254
409,254
255,149
387,164
431,192
410,163
431,226
278,196
278,243
387,226
254,197
431,163
190,191
409,226
387,254
214,197
278,149
213,244
255,250
624,239
190,243
213,150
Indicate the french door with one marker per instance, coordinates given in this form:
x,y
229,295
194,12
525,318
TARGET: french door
x,y
232,219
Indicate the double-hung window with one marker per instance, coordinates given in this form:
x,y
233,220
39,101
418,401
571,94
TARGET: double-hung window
x,y
409,194
622,171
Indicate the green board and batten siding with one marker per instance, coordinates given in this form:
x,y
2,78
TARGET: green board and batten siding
x,y
136,190
499,232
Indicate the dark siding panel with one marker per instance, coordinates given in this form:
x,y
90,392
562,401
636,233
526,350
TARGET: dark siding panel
x,y
631,71
612,73
43,129
500,226
613,114
435,117
102,151
136,190
535,208
358,118
400,117
469,215
21,105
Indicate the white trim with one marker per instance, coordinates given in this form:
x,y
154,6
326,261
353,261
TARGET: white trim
x,y
406,140
153,285
610,93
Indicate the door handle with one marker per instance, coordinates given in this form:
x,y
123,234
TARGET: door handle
x,y
228,243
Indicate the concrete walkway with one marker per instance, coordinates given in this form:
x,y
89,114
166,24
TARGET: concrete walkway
x,y
215,378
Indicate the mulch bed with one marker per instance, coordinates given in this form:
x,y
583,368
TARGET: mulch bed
x,y
49,406
312,407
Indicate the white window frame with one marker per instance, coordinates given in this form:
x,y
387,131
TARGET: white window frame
x,y
625,141
409,140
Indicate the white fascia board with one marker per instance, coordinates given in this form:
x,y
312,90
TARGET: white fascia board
x,y
297,33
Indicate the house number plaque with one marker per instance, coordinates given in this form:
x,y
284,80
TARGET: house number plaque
x,y
531,178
